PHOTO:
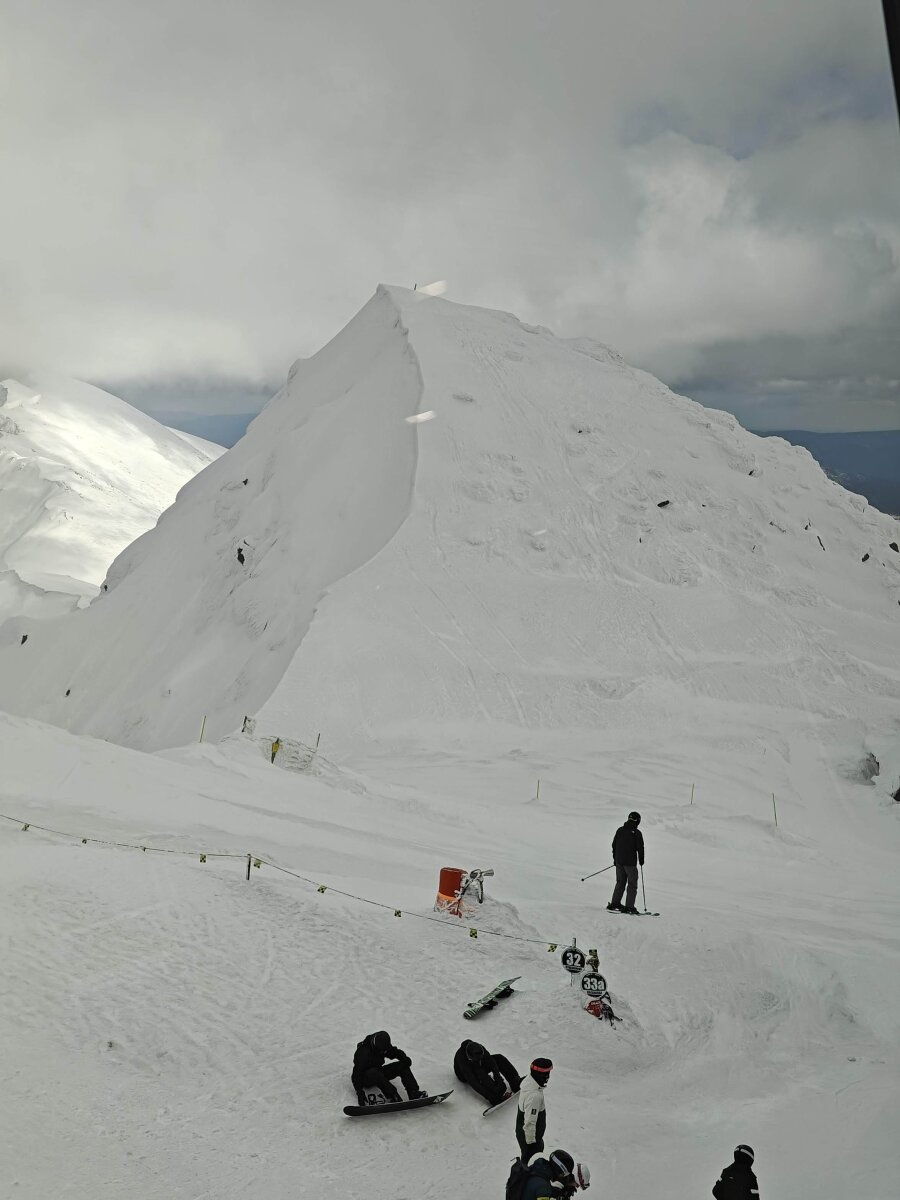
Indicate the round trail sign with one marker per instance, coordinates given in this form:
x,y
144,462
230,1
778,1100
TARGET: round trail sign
x,y
573,960
593,983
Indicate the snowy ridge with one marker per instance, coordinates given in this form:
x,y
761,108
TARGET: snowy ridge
x,y
208,607
537,585
509,561
82,474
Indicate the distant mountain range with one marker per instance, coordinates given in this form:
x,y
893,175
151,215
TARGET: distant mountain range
x,y
866,463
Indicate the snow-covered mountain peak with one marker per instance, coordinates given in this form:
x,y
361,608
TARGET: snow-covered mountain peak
x,y
82,474
567,544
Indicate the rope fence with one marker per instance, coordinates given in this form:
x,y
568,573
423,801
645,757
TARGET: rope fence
x,y
259,861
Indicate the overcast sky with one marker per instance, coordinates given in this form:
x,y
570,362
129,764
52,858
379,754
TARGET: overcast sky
x,y
213,188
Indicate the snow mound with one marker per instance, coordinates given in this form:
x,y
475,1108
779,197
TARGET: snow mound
x,y
82,474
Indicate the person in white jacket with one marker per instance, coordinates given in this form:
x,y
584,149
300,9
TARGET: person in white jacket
x,y
531,1119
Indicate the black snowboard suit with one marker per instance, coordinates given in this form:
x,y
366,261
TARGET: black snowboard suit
x,y
627,851
737,1182
489,1076
371,1069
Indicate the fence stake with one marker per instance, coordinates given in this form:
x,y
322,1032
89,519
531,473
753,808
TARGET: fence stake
x,y
202,727
692,793
248,867
774,809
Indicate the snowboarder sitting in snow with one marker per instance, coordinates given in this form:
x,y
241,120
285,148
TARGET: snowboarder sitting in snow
x,y
627,851
372,1070
737,1181
531,1119
491,1075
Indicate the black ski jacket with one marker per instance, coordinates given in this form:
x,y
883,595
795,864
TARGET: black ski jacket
x,y
539,1184
737,1182
485,1075
368,1058
628,846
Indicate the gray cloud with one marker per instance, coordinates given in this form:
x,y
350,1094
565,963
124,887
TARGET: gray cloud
x,y
214,188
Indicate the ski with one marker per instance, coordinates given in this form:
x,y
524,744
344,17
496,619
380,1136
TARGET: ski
x,y
500,1103
372,1110
500,992
645,913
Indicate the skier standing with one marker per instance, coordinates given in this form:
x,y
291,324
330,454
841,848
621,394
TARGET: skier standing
x,y
531,1119
737,1181
628,851
371,1069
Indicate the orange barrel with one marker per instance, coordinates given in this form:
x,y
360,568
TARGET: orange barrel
x,y
448,886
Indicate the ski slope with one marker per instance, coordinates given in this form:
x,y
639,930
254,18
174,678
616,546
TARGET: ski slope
x,y
82,474
174,1030
505,644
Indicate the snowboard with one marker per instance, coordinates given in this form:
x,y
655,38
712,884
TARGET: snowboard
x,y
492,999
500,1103
366,1110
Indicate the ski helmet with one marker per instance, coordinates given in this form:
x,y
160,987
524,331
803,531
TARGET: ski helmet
x,y
635,817
475,1051
583,1175
563,1161
381,1041
540,1070
747,1151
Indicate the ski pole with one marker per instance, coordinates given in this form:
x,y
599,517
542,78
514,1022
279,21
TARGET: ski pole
x,y
593,873
643,889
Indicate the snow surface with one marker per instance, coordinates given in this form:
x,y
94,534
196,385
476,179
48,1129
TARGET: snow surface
x,y
461,607
82,474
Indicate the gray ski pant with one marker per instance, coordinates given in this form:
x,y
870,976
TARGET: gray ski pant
x,y
625,875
